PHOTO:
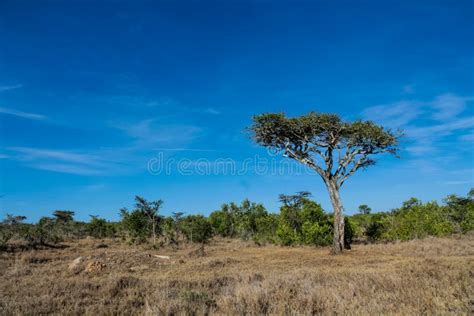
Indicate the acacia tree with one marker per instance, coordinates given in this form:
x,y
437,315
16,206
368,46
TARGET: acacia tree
x,y
364,209
150,209
333,148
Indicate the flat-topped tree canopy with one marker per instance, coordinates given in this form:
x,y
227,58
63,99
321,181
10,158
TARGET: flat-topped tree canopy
x,y
335,149
324,142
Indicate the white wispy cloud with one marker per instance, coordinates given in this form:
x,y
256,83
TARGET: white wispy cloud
x,y
425,123
447,106
468,137
456,182
34,153
26,115
212,111
63,161
394,114
152,132
438,130
10,87
167,105
184,149
67,168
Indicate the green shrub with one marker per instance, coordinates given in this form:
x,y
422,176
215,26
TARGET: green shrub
x,y
303,221
417,220
43,233
196,228
374,231
100,228
266,228
314,233
135,224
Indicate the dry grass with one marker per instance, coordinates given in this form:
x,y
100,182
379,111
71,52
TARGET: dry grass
x,y
431,276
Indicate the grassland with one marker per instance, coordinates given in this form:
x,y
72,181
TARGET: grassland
x,y
431,276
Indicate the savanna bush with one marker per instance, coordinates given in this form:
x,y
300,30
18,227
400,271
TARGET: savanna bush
x,y
196,228
100,228
135,225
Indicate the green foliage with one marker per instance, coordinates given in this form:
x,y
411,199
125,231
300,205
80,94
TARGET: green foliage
x,y
143,222
335,149
460,210
344,147
10,227
364,209
417,220
300,222
303,221
266,228
287,236
316,233
135,224
43,233
222,222
64,224
196,228
100,228
64,216
348,233
320,130
374,231
243,221
170,227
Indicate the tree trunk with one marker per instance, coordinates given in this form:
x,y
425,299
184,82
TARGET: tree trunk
x,y
154,232
338,238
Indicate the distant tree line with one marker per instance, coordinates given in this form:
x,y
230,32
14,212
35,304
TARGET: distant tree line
x,y
300,221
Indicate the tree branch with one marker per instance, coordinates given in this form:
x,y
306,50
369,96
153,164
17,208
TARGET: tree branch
x,y
305,161
363,161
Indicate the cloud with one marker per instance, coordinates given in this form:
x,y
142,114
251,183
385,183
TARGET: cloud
x,y
67,168
95,187
212,111
448,105
467,137
456,182
63,161
434,131
151,132
12,87
185,149
443,107
425,123
31,116
394,114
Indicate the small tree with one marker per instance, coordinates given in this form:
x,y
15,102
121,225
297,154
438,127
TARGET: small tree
x,y
42,233
196,228
364,209
64,216
9,227
135,224
150,209
333,148
97,227
63,222
171,227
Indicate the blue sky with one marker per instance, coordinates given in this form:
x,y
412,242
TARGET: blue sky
x,y
91,93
